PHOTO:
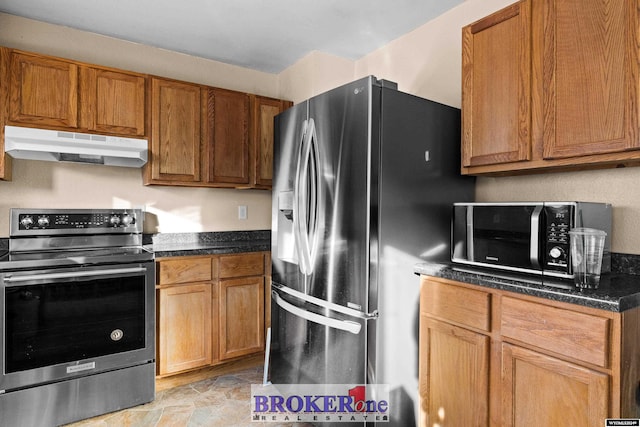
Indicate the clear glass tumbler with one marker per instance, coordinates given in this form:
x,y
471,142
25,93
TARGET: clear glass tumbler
x,y
587,246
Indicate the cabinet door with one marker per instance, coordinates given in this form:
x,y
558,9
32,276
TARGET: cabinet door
x,y
184,314
176,111
112,102
454,375
263,113
539,390
44,91
496,89
5,61
241,316
590,77
228,145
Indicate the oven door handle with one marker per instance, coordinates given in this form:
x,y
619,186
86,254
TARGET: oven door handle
x,y
72,274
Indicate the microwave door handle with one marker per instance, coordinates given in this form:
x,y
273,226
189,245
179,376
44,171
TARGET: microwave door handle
x,y
470,236
534,248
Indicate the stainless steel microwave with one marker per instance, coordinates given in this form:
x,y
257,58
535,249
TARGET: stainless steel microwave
x,y
525,237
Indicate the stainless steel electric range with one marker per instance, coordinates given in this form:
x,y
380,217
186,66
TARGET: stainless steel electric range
x,y
77,316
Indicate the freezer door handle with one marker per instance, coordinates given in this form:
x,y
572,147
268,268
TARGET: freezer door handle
x,y
325,304
344,325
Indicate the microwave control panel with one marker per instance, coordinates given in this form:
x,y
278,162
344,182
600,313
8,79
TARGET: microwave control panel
x,y
558,221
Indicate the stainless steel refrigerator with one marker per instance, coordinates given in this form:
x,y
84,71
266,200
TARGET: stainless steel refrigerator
x,y
364,181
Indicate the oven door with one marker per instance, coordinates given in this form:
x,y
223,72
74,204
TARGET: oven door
x,y
70,322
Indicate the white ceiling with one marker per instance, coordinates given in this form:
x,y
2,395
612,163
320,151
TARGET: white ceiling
x,y
265,35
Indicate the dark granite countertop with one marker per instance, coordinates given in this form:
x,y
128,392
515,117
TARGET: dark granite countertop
x,y
211,243
618,291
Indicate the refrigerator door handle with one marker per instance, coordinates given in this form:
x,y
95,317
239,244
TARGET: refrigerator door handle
x,y
315,189
306,198
344,325
300,204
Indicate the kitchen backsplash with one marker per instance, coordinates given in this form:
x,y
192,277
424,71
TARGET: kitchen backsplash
x,y
625,263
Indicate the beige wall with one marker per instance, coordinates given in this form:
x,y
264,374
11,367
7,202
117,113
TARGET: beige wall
x,y
317,72
425,62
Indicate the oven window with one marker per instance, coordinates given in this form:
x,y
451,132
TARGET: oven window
x,y
53,323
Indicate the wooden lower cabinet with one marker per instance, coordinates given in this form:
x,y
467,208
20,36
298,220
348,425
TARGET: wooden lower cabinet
x,y
538,363
241,316
539,390
185,324
210,310
451,395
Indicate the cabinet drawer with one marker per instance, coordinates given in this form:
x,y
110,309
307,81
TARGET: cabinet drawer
x,y
577,335
452,303
251,264
184,270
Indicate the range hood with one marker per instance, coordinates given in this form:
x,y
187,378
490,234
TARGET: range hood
x,y
57,146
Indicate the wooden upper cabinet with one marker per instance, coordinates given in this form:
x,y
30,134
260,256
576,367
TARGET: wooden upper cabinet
x,y
210,137
44,91
5,61
176,135
54,93
551,84
199,135
112,102
590,79
496,74
228,139
264,111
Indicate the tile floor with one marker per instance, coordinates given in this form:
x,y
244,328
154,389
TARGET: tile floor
x,y
222,401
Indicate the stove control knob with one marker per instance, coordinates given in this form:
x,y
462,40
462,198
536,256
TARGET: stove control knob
x,y
127,220
114,220
26,221
43,221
